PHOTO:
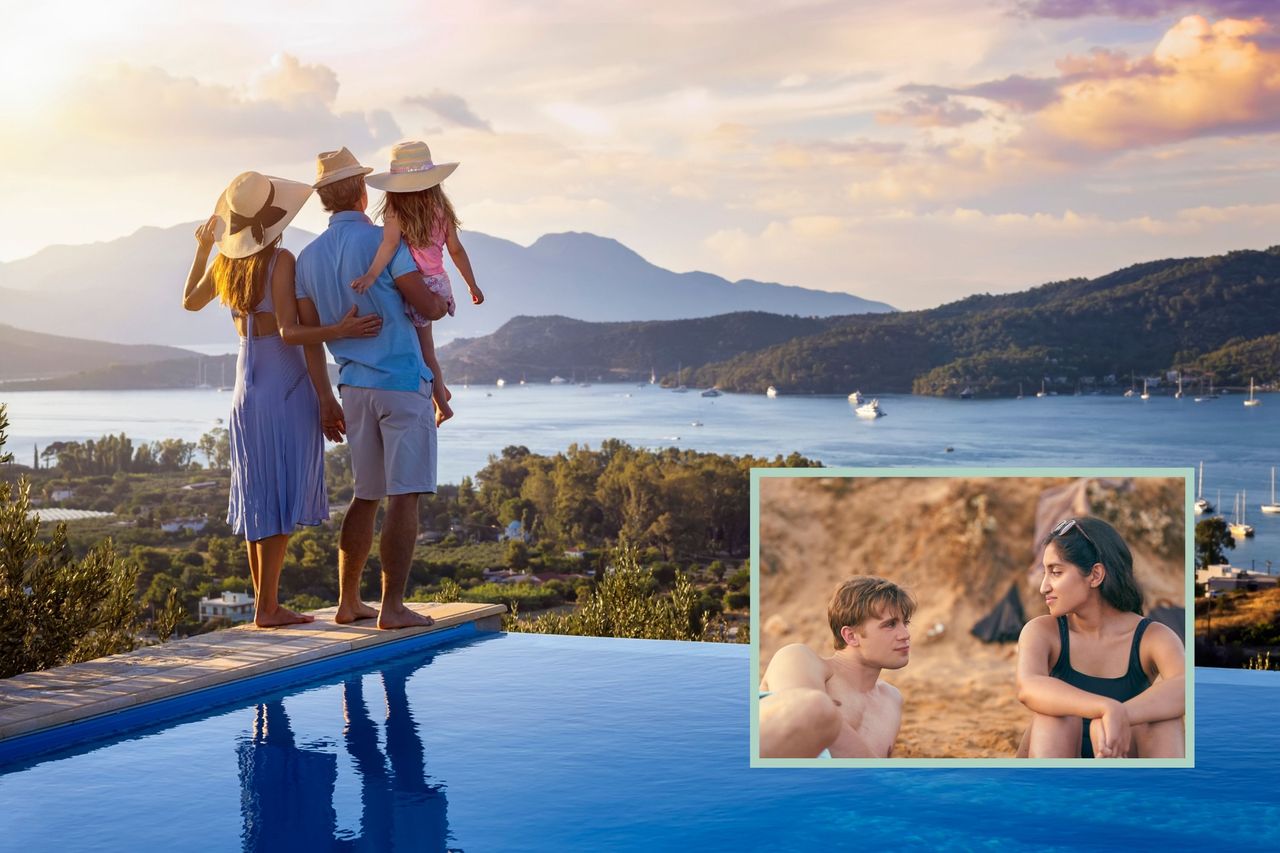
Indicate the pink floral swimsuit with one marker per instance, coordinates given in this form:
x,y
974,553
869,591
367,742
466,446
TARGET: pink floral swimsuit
x,y
430,261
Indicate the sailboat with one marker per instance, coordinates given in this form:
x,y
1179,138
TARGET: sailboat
x,y
1239,527
1202,506
1273,507
1132,391
200,380
1019,390
1146,395
1041,392
1177,395
224,386
1252,401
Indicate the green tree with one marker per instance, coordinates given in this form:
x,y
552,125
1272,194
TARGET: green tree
x,y
173,454
517,556
54,609
1213,538
215,445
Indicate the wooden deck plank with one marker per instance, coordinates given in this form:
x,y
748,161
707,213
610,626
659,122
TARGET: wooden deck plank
x,y
35,701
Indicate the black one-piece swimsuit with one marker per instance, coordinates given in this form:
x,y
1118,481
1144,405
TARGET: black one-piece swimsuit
x,y
1121,689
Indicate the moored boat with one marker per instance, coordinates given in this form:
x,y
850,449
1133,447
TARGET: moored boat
x,y
870,411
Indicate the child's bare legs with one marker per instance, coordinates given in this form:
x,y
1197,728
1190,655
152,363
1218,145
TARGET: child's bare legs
x,y
440,394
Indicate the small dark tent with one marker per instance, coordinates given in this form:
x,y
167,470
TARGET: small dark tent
x,y
1174,617
1004,623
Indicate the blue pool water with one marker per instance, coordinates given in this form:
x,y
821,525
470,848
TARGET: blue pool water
x,y
517,742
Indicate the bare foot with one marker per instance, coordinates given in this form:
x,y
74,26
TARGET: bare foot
x,y
281,616
443,413
402,617
346,615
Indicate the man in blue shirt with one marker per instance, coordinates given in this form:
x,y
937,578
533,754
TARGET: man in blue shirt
x,y
386,411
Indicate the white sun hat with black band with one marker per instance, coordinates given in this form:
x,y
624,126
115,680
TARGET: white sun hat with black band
x,y
255,209
411,170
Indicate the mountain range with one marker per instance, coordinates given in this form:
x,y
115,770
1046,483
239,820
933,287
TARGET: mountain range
x,y
1214,317
128,290
1207,317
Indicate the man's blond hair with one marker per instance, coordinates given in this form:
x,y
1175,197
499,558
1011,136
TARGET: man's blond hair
x,y
865,597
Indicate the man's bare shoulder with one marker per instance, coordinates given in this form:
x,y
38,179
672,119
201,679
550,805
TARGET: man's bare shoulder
x,y
795,660
893,694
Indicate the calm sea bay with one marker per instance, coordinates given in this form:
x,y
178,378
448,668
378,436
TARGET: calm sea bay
x,y
1237,444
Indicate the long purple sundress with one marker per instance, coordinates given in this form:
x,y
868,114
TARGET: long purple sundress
x,y
277,447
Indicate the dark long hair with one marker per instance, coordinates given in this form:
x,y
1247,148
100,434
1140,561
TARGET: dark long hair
x,y
1095,541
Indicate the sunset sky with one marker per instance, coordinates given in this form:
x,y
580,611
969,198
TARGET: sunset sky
x,y
912,152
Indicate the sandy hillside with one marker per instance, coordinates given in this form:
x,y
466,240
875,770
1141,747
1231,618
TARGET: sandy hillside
x,y
956,544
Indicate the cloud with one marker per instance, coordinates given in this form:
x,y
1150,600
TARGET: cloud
x,y
288,81
933,106
450,107
1142,8
1202,79
166,119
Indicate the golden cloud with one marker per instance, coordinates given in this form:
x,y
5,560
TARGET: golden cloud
x,y
1202,79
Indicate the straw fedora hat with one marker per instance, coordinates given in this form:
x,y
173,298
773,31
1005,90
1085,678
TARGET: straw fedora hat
x,y
255,209
411,169
332,166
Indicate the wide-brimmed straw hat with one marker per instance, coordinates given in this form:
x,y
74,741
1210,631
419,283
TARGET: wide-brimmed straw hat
x,y
334,166
255,209
411,169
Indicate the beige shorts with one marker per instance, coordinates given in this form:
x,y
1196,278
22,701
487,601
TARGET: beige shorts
x,y
393,440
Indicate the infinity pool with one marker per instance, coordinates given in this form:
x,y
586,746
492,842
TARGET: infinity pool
x,y
514,742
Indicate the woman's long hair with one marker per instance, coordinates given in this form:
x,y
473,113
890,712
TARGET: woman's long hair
x,y
240,282
421,214
1102,543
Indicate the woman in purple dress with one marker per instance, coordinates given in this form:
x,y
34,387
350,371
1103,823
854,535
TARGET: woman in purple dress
x,y
277,448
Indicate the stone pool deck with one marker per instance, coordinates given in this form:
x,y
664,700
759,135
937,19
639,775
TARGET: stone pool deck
x,y
35,701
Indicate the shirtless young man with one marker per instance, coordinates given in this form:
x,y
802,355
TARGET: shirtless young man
x,y
837,706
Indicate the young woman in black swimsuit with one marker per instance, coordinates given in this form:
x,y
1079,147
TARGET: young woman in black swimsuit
x,y
1101,679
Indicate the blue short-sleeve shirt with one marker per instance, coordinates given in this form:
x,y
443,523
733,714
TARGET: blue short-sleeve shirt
x,y
392,359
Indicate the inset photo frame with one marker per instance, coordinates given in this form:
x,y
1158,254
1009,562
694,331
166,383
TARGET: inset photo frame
x,y
972,617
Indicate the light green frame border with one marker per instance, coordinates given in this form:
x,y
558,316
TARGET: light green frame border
x,y
1186,474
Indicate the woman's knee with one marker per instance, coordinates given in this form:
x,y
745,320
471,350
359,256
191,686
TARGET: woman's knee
x,y
1160,739
1054,737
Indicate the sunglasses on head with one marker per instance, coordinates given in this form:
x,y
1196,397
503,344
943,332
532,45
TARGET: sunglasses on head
x,y
1067,525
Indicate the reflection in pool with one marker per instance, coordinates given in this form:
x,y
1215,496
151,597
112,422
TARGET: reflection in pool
x,y
520,742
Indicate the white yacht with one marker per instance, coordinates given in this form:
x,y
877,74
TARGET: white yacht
x,y
771,392
559,380
1201,505
1239,527
1273,507
711,392
856,398
1146,395
501,382
870,411
1252,401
